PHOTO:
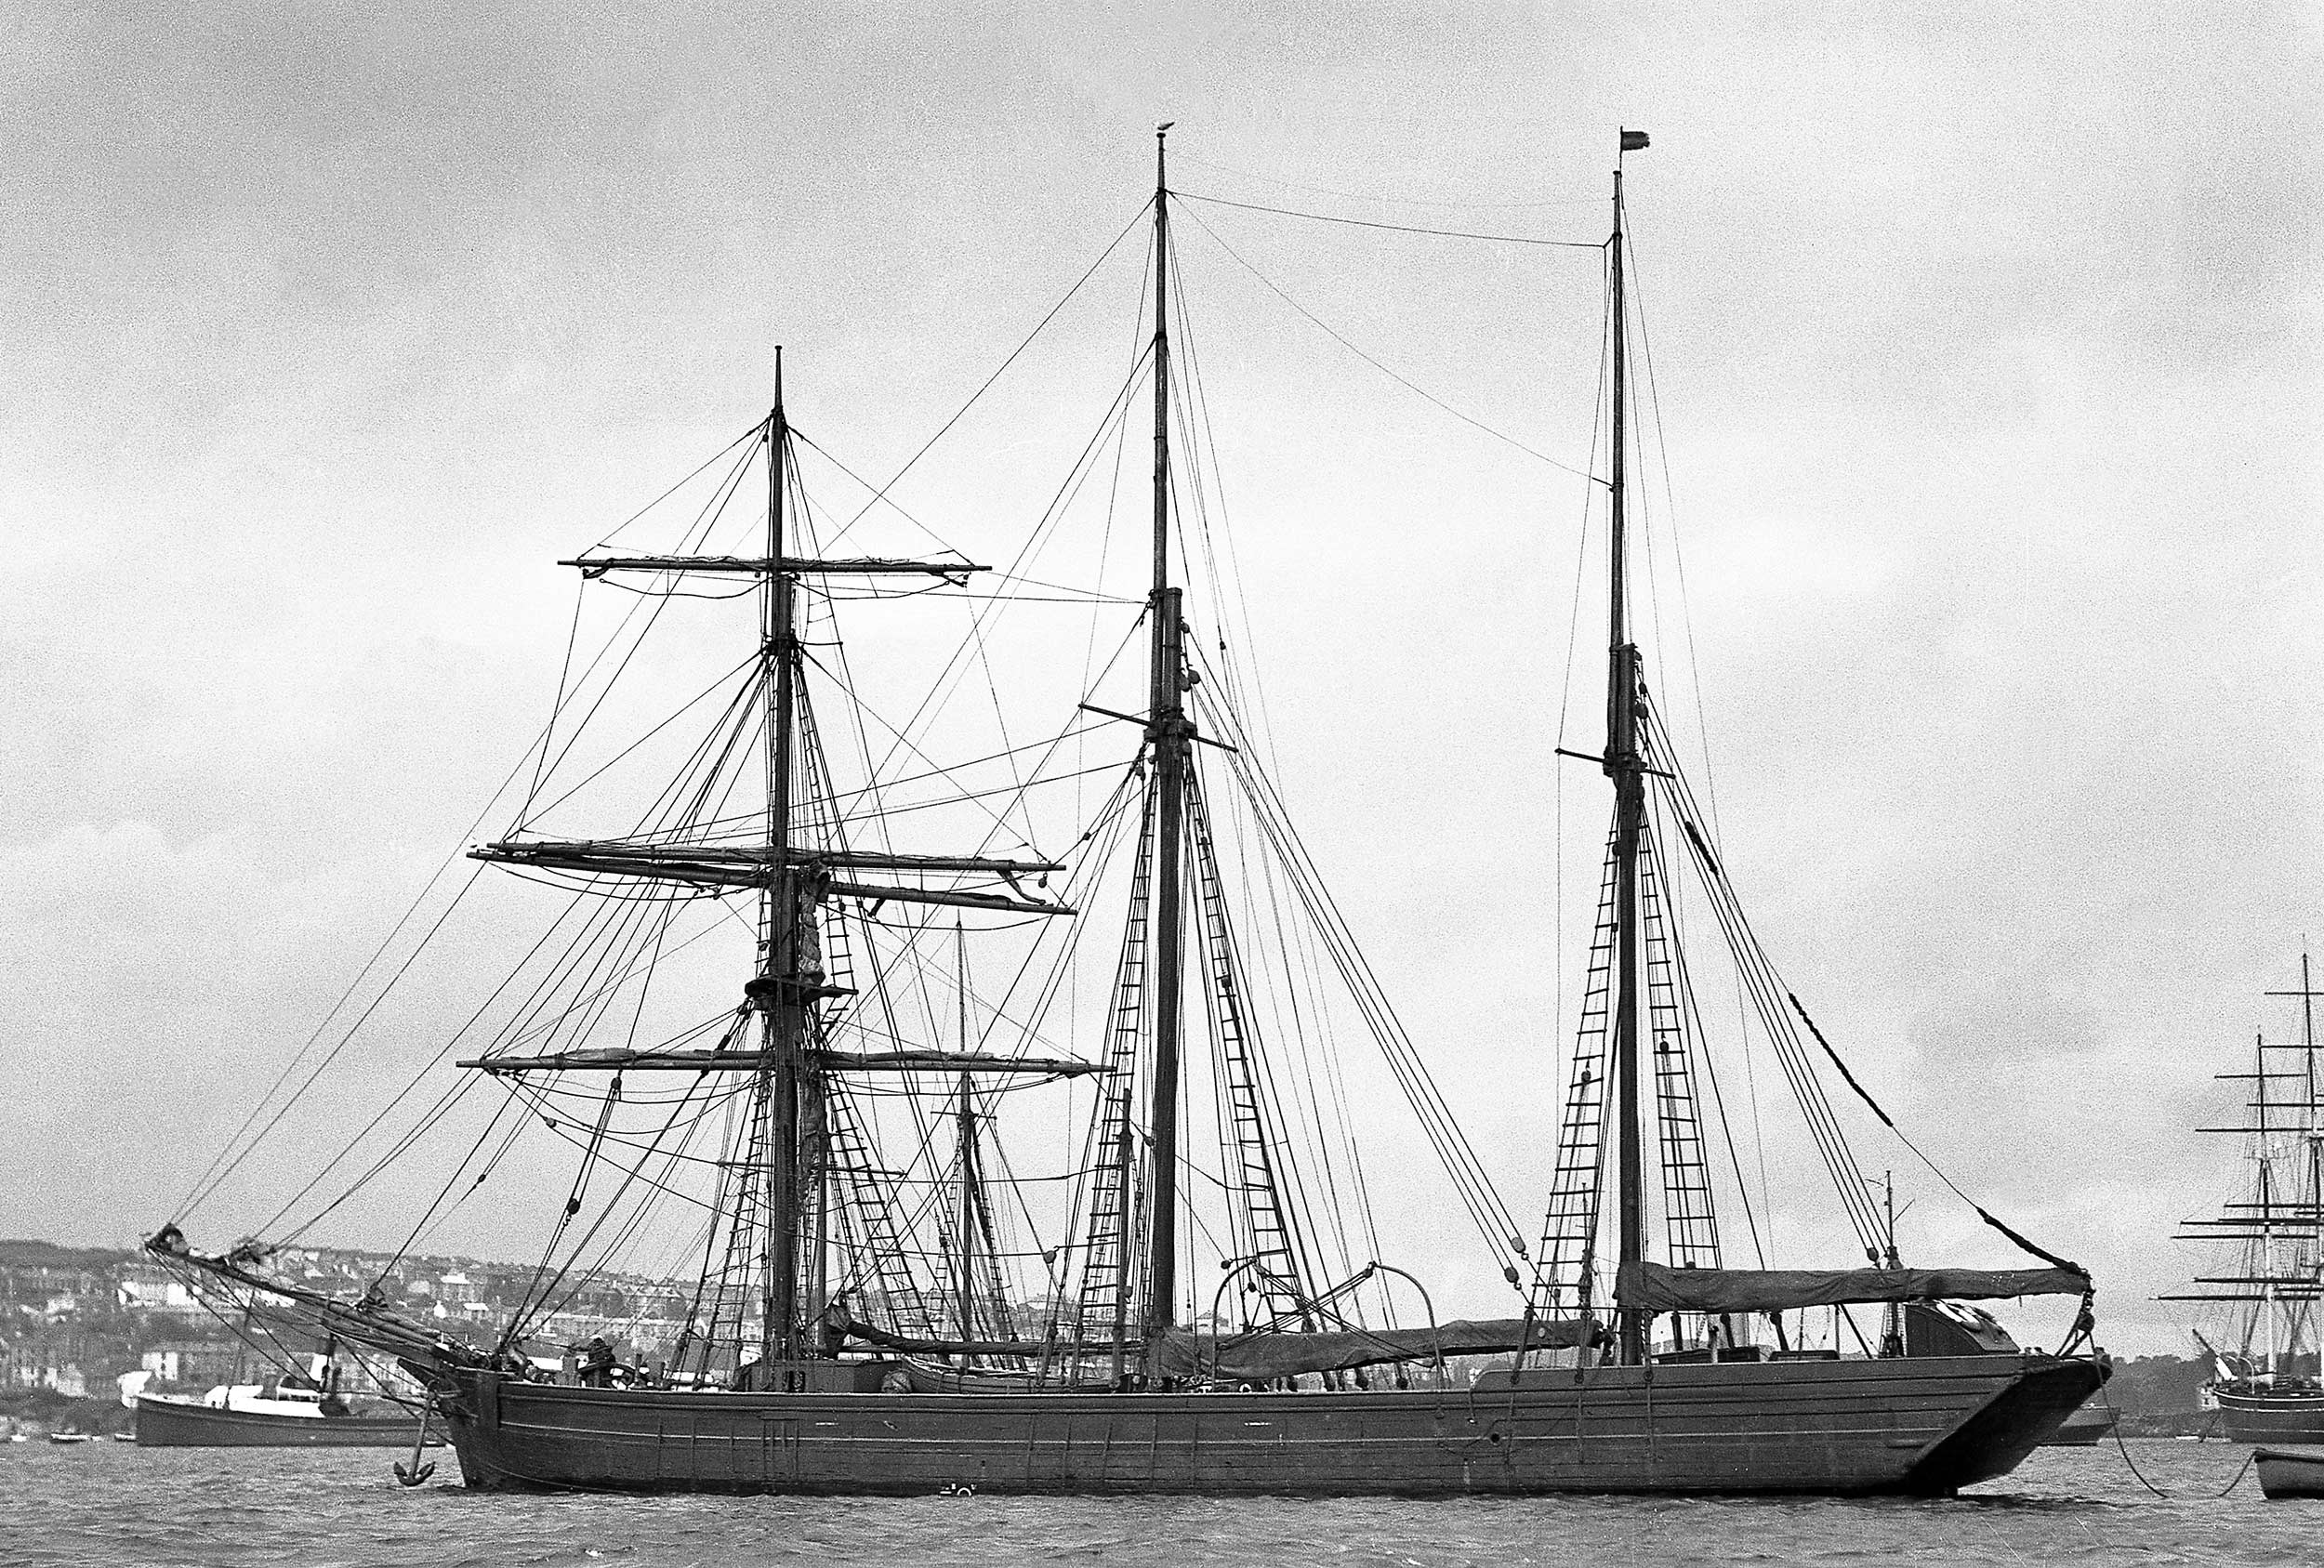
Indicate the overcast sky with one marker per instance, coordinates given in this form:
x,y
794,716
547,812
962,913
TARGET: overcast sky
x,y
1985,341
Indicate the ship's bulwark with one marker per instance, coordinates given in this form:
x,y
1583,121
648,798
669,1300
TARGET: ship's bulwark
x,y
1919,1426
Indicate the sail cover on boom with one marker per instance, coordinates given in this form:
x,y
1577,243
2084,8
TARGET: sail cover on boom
x,y
1657,1289
1257,1357
1263,1355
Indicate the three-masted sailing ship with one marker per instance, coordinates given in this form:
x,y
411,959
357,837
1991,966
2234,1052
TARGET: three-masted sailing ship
x,y
2267,1386
852,1331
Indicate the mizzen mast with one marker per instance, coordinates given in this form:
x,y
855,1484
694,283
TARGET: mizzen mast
x,y
1624,767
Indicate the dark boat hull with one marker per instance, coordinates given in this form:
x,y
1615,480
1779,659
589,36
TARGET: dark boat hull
x,y
1914,1426
163,1423
2082,1430
2272,1417
2290,1475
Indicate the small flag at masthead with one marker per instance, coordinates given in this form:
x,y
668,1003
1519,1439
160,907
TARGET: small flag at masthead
x,y
1633,140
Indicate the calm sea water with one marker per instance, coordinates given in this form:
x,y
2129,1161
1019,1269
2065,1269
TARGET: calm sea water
x,y
112,1503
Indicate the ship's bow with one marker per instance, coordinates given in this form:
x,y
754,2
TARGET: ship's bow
x,y
1998,1437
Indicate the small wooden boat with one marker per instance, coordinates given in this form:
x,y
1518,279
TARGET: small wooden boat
x,y
2290,1472
73,1437
183,1423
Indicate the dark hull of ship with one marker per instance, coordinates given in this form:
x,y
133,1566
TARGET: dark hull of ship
x,y
2082,1430
171,1424
1923,1427
2272,1417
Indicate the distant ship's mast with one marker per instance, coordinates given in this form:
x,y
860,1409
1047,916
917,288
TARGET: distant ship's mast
x,y
964,1259
2313,1138
2286,1208
2312,1141
2308,1205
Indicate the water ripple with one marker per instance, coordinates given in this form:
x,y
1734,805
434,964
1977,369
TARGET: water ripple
x,y
116,1504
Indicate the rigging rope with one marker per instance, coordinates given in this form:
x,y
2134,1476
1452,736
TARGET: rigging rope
x,y
1395,228
757,428
881,494
1757,973
1407,383
1377,196
1471,1182
2028,1246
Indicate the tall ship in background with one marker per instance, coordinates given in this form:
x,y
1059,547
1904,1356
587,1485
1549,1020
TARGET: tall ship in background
x,y
2264,1301
1129,939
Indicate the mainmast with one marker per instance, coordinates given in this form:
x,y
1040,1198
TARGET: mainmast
x,y
779,993
1623,766
1166,731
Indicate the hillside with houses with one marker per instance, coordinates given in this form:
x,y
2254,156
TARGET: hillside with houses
x,y
75,1321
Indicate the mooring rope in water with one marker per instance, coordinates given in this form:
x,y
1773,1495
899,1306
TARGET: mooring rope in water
x,y
2115,1431
2248,1458
2125,1449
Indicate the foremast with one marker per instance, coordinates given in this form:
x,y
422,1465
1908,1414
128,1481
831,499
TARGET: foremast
x,y
796,879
